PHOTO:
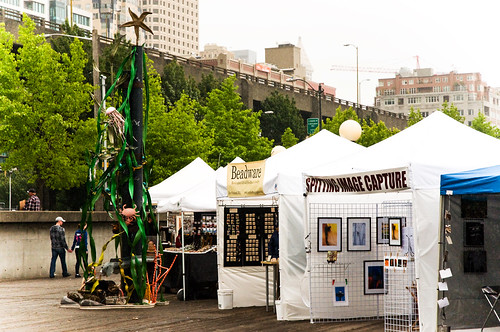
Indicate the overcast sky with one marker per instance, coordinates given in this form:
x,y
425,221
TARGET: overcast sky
x,y
445,35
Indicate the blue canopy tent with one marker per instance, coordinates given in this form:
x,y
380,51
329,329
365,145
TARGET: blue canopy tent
x,y
469,246
478,181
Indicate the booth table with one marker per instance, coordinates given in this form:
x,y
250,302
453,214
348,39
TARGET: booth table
x,y
201,272
276,282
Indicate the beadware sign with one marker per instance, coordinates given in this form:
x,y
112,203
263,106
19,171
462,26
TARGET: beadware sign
x,y
246,179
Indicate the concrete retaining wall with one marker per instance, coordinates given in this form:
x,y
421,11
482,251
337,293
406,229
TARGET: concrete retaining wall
x,y
25,251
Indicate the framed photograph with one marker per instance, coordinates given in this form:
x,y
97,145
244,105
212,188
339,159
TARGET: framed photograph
x,y
340,294
329,234
475,261
473,233
382,230
358,234
474,206
374,277
395,231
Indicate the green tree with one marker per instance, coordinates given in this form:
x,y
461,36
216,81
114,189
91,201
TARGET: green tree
x,y
288,139
112,57
43,131
414,117
452,111
207,84
236,130
481,124
279,113
340,116
374,132
175,139
62,44
174,84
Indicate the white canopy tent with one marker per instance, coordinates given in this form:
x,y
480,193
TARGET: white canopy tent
x,y
283,188
185,179
435,145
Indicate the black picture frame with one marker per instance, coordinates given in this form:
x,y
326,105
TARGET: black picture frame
x,y
473,233
329,234
374,277
395,225
382,230
474,206
475,261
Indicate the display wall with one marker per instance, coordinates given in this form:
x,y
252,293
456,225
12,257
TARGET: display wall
x,y
473,255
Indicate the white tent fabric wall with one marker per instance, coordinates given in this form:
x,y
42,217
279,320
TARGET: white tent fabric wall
x,y
435,145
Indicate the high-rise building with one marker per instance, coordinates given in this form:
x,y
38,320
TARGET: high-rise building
x,y
174,24
290,59
425,91
54,11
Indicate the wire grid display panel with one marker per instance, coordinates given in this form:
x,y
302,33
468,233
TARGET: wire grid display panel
x,y
349,269
400,301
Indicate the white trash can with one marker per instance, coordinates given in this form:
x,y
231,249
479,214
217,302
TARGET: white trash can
x,y
225,298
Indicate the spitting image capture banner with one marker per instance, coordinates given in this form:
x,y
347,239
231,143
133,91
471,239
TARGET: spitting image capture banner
x,y
246,179
368,182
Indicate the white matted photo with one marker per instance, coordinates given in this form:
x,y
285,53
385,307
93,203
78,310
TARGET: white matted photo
x,y
340,294
329,234
358,234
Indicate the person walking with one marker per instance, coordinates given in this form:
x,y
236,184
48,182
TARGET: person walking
x,y
80,247
59,245
33,202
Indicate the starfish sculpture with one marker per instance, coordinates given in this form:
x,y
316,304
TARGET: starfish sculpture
x,y
137,22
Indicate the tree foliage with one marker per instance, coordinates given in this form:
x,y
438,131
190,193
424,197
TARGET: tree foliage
x,y
374,132
41,126
175,83
280,113
235,130
112,57
414,117
452,111
288,139
340,116
481,124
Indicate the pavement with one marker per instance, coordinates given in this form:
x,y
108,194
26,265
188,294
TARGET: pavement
x,y
34,305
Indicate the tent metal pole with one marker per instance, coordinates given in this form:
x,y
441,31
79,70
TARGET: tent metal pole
x,y
183,260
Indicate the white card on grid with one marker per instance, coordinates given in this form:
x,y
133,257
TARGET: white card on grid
x,y
443,302
443,286
445,273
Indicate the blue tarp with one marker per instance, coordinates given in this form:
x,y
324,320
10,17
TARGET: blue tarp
x,y
478,181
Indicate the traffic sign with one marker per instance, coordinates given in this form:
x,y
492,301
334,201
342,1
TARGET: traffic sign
x,y
312,124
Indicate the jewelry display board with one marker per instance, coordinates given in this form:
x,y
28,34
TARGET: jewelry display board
x,y
246,234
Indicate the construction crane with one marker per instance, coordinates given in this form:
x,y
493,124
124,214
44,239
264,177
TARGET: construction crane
x,y
365,69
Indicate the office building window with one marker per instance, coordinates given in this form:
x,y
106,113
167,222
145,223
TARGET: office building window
x,y
458,97
436,89
471,112
432,99
414,100
389,102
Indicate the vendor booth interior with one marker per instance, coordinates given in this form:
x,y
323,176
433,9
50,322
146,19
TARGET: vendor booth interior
x,y
470,230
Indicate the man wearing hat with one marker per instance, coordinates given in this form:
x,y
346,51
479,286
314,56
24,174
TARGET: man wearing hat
x,y
59,245
33,203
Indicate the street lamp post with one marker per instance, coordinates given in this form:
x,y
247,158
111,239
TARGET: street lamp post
x,y
319,93
357,72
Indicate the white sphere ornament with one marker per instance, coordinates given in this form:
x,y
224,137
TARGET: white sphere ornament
x,y
350,130
277,149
